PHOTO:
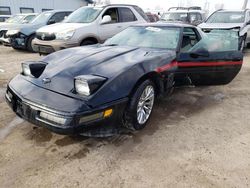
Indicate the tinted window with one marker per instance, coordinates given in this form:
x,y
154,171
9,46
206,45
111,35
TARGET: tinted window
x,y
142,13
26,10
126,15
190,39
5,11
45,9
58,17
113,13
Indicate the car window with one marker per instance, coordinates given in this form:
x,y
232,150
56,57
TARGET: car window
x,y
27,19
142,13
84,15
190,38
148,37
175,17
41,18
113,13
58,17
194,17
126,15
218,41
15,19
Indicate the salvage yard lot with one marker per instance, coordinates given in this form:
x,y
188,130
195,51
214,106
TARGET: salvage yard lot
x,y
198,137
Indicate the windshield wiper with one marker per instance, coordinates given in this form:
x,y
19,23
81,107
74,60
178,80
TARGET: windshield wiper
x,y
111,45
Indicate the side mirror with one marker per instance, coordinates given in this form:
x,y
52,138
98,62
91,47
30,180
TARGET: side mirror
x,y
248,23
200,52
106,19
51,22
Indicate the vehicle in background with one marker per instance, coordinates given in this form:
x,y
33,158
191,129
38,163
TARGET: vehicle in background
x,y
152,17
19,19
100,89
16,19
191,15
20,36
230,19
87,26
3,18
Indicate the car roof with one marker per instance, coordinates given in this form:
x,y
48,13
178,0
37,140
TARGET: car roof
x,y
165,24
229,10
128,5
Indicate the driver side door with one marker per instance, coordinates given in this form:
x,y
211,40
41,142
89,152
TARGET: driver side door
x,y
212,60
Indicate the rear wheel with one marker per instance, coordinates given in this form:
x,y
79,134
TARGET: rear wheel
x,y
140,106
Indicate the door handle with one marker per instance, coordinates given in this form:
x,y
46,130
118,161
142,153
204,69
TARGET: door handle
x,y
119,26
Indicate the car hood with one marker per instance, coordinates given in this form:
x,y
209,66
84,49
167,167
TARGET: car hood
x,y
105,61
26,29
220,25
59,27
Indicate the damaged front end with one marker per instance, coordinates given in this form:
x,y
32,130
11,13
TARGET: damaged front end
x,y
16,39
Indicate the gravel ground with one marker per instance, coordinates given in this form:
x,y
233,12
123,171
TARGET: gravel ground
x,y
198,137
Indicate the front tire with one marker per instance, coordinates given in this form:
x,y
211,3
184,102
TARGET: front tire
x,y
140,106
29,43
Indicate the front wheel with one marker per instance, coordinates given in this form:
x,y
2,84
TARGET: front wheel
x,y
140,106
29,43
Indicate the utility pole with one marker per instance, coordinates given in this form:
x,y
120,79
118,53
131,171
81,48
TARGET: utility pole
x,y
245,4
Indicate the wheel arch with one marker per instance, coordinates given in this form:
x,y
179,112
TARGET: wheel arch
x,y
92,38
155,78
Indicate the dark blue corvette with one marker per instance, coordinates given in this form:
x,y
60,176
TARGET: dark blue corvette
x,y
90,89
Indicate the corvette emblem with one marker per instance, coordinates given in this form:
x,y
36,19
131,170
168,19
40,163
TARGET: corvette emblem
x,y
46,80
43,36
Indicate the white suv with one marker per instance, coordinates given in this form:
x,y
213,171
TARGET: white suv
x,y
87,25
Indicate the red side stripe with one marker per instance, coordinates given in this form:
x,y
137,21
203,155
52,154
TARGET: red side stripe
x,y
206,64
196,64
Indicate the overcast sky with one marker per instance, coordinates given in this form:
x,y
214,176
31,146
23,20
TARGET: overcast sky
x,y
145,4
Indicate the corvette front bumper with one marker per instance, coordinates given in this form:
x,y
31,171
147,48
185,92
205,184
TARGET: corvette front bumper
x,y
101,121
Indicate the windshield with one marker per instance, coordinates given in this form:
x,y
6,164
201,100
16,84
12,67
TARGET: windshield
x,y
175,17
149,37
42,18
28,18
227,17
83,15
15,19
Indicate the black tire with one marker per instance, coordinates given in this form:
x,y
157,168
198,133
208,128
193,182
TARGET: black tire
x,y
130,116
29,43
88,42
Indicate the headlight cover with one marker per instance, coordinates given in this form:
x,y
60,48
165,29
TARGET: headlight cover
x,y
12,32
65,35
33,69
86,85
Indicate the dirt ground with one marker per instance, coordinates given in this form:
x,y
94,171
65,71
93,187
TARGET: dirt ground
x,y
198,137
